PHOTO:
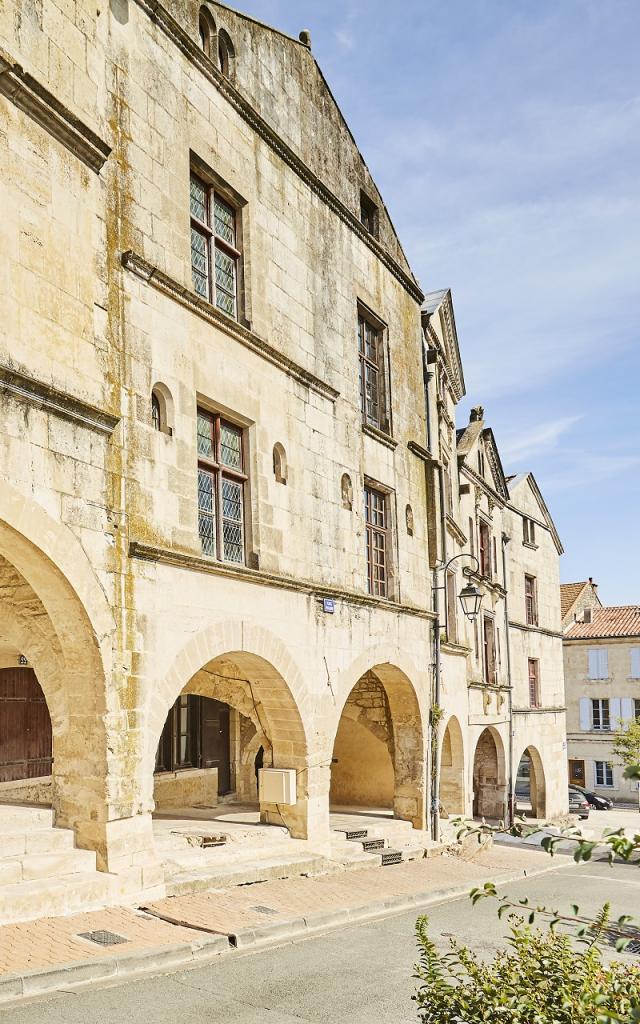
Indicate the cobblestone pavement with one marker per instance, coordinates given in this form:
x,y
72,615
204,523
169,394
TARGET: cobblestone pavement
x,y
53,942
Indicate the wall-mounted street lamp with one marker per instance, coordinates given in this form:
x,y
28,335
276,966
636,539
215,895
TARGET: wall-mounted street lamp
x,y
470,598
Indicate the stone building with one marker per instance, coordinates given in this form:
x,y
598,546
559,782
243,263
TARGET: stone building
x,y
503,731
602,678
226,414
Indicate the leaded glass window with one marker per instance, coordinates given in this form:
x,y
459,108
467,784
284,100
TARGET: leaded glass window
x,y
214,252
221,486
372,374
375,512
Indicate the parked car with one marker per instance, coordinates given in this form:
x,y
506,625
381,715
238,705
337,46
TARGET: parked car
x,y
578,804
599,803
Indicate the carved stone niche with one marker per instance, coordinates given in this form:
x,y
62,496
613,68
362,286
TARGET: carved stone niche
x,y
409,519
346,492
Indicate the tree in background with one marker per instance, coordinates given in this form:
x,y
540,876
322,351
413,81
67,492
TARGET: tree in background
x,y
626,746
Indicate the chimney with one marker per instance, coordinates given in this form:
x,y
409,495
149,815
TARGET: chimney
x,y
477,414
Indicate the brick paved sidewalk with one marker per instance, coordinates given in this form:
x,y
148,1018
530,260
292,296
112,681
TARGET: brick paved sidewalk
x,y
253,906
172,931
55,942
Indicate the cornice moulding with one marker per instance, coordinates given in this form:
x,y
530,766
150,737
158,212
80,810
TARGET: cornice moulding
x,y
187,560
45,396
172,288
161,17
26,93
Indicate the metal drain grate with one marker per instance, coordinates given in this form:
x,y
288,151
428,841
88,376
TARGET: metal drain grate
x,y
391,857
633,947
264,910
372,844
103,938
360,833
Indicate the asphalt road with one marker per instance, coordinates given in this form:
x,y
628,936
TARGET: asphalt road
x,y
356,975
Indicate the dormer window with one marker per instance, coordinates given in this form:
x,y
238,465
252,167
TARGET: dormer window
x,y
206,32
368,214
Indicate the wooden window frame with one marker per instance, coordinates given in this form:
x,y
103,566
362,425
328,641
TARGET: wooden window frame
x,y
533,666
452,609
378,585
369,214
603,707
607,771
530,600
219,471
489,659
484,550
214,242
377,367
528,531
167,754
583,777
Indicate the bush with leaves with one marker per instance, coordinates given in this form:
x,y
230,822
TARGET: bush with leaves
x,y
541,978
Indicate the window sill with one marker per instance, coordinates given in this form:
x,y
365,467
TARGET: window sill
x,y
379,435
528,544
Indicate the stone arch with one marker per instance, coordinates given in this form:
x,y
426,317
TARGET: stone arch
x,y
530,775
250,669
489,779
279,463
162,407
452,795
207,34
379,716
226,53
54,611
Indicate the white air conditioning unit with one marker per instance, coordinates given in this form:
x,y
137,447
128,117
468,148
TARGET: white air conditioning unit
x,y
277,785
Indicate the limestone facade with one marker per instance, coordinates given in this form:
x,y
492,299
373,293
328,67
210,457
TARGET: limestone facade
x,y
602,674
220,459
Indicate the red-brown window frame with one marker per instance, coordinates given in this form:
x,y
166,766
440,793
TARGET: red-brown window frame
x,y
377,366
530,600
206,228
377,586
484,548
534,682
489,658
220,471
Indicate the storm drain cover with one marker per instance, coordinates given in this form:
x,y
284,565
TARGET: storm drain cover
x,y
103,938
632,947
264,910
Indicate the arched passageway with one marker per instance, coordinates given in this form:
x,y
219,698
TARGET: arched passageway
x,y
489,781
234,714
530,785
378,749
452,795
53,673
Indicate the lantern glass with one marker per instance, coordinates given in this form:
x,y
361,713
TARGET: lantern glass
x,y
470,599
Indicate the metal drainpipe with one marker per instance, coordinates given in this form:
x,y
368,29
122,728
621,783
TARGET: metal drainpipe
x,y
510,807
435,753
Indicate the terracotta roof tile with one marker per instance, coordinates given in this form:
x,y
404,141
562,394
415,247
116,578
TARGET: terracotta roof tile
x,y
569,594
622,620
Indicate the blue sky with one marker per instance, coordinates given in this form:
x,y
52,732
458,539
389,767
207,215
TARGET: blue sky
x,y
504,136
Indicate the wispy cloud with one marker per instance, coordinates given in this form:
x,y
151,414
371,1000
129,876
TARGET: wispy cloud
x,y
538,440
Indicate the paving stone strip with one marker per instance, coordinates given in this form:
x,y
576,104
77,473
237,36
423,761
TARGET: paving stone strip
x,y
51,954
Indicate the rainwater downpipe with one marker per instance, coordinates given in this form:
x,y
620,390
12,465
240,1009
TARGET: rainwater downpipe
x,y
510,802
434,766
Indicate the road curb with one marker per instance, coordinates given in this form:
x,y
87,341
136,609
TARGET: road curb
x,y
16,988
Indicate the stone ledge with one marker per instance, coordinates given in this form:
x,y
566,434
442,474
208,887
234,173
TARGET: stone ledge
x,y
45,396
30,96
161,17
526,628
190,300
187,560
379,435
421,453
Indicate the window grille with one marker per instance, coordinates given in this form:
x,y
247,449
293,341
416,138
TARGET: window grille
x,y
214,252
376,513
221,483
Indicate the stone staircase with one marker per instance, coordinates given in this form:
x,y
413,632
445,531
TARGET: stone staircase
x,y
41,871
379,843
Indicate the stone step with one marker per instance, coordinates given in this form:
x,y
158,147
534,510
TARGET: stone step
x,y
19,817
47,865
54,897
244,874
39,840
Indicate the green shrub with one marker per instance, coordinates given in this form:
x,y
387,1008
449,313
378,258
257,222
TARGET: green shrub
x,y
540,978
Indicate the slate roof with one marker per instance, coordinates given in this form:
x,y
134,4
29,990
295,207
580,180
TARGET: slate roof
x,y
617,621
569,594
433,299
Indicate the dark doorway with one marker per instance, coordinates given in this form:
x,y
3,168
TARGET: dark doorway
x,y
25,726
196,734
